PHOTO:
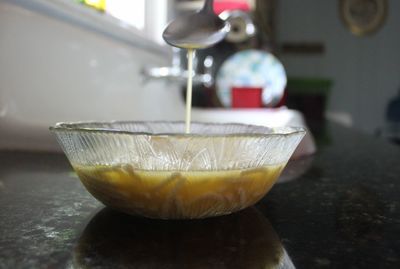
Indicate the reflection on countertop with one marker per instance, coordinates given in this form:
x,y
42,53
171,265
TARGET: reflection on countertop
x,y
295,168
242,240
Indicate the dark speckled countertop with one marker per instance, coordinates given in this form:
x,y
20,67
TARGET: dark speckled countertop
x,y
342,211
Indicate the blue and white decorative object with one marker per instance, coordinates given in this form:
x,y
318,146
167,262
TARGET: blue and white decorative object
x,y
252,68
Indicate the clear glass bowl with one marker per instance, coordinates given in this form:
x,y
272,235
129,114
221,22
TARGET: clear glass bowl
x,y
155,170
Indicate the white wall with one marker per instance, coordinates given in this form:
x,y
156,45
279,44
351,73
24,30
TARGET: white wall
x,y
365,70
60,61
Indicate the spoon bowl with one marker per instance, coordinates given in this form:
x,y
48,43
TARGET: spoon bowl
x,y
199,30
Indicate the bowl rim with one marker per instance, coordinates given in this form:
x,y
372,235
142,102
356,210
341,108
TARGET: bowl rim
x,y
269,131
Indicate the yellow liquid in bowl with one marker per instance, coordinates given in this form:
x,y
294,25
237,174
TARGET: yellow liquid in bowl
x,y
177,194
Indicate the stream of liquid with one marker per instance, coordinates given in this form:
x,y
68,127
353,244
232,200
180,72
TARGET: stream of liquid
x,y
189,89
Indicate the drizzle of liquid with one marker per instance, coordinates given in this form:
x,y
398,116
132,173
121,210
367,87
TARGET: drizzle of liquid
x,y
189,90
177,194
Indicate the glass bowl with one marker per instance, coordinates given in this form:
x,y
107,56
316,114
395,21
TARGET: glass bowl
x,y
155,170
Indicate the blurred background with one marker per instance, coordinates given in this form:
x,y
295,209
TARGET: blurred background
x,y
283,63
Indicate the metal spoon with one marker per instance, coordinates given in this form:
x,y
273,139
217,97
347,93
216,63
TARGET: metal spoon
x,y
199,30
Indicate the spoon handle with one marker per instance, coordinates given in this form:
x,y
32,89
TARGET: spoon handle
x,y
208,6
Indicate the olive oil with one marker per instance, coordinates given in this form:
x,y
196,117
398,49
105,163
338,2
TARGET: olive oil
x,y
177,194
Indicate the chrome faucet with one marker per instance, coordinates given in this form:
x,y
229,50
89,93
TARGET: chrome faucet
x,y
176,74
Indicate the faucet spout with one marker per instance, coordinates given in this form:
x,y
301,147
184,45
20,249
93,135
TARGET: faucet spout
x,y
176,74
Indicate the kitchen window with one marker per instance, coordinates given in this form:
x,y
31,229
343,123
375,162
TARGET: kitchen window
x,y
147,16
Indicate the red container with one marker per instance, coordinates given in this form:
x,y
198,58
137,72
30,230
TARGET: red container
x,y
222,5
246,97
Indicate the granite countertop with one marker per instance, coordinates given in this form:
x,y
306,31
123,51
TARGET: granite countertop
x,y
337,209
